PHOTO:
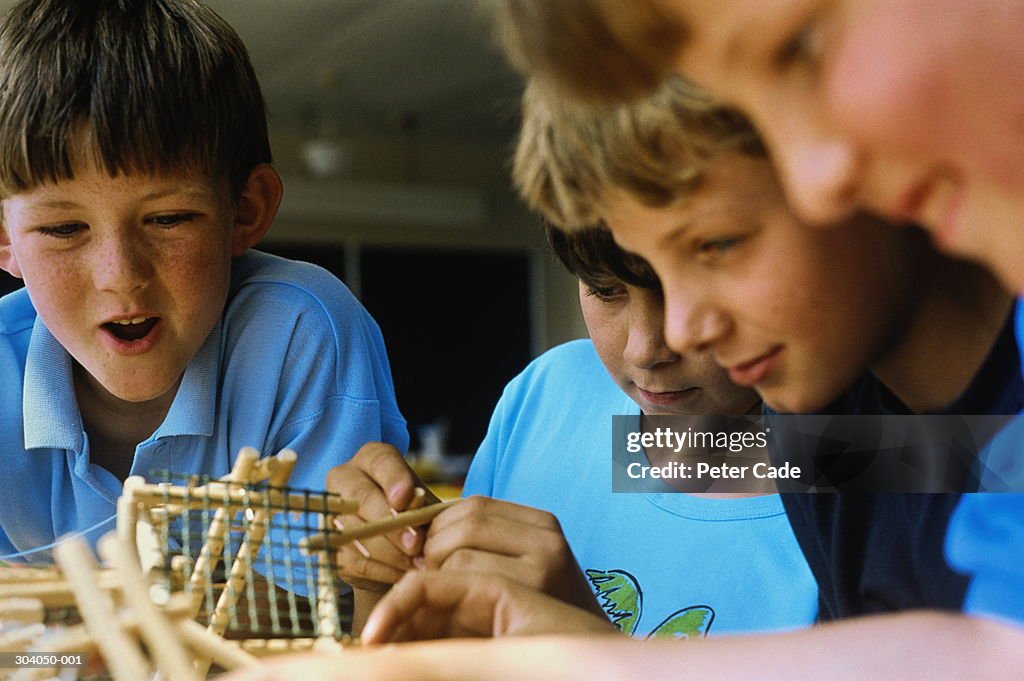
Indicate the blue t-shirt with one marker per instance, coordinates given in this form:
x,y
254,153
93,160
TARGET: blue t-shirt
x,y
664,564
986,533
294,362
876,553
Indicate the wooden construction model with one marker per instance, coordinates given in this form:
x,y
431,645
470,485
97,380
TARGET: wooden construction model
x,y
198,573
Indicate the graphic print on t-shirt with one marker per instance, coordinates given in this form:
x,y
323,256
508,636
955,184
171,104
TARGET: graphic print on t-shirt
x,y
620,595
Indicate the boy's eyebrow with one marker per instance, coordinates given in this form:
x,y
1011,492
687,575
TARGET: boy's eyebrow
x,y
675,231
57,204
197,193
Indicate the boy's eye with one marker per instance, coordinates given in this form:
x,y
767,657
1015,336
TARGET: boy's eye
x,y
172,219
606,293
708,251
62,231
803,48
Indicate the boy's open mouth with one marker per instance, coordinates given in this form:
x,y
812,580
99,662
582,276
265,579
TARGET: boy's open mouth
x,y
131,329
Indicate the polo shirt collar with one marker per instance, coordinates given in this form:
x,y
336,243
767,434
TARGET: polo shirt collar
x,y
194,408
51,413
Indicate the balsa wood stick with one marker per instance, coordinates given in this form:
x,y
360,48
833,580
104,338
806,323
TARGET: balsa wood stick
x,y
57,592
265,468
18,575
18,639
420,516
28,610
230,496
225,653
268,647
327,597
419,497
155,629
128,509
241,566
213,546
121,653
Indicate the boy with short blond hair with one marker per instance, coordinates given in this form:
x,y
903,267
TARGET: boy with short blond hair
x,y
134,180
569,156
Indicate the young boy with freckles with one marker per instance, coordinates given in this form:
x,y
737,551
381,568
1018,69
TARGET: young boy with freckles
x,y
713,270
544,468
134,178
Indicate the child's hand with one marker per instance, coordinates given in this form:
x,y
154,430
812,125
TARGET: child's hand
x,y
522,543
380,480
427,605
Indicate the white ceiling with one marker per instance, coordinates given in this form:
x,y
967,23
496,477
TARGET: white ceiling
x,y
368,62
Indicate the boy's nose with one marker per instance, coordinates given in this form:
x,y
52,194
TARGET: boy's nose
x,y
121,265
818,179
817,167
692,325
645,346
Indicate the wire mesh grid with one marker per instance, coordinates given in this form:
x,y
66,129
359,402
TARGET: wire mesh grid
x,y
237,551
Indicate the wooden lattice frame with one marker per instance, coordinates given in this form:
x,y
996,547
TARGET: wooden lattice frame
x,y
134,601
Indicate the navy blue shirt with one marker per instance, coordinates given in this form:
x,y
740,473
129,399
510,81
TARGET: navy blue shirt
x,y
986,534
874,553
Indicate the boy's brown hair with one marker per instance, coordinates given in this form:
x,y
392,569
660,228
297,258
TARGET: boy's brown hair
x,y
593,257
570,153
156,86
610,50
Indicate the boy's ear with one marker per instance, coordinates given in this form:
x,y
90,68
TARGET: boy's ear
x,y
8,262
256,208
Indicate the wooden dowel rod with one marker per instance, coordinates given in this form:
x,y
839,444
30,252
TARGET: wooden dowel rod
x,y
121,653
224,495
213,546
336,539
56,593
154,628
28,610
225,654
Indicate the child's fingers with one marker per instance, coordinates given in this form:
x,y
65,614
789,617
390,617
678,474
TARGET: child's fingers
x,y
381,548
357,568
355,484
382,483
428,604
352,482
486,507
474,560
386,466
508,536
495,535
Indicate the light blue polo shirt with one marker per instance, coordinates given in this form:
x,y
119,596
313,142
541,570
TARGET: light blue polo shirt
x,y
295,361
